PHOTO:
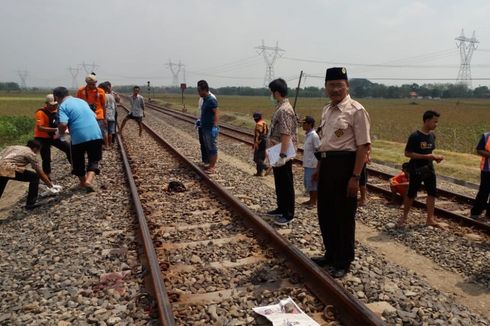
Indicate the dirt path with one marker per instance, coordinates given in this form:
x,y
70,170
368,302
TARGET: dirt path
x,y
11,196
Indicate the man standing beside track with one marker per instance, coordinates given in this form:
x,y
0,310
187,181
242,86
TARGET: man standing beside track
x,y
482,202
344,144
209,125
86,138
419,148
282,131
137,111
204,154
95,97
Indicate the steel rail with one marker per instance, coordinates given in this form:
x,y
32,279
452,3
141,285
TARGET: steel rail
x,y
161,300
350,310
463,220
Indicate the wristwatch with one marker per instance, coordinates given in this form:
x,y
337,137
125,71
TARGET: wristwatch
x,y
356,176
282,155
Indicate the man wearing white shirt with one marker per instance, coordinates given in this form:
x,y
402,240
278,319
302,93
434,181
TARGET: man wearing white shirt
x,y
312,142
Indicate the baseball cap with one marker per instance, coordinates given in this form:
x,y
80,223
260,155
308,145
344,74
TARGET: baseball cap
x,y
308,119
50,99
91,78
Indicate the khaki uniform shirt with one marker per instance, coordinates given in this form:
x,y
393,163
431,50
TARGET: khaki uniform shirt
x,y
283,123
344,126
15,159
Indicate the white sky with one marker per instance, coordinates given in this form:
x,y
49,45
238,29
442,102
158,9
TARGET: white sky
x,y
131,41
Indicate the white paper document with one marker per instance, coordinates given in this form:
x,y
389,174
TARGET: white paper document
x,y
274,151
286,312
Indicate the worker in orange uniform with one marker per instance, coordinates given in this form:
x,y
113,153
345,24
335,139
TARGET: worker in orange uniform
x,y
260,137
95,97
46,133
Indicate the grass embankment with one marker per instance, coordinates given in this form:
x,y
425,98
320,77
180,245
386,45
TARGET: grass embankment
x,y
460,126
17,117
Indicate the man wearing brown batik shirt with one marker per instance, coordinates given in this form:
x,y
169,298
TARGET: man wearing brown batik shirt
x,y
282,131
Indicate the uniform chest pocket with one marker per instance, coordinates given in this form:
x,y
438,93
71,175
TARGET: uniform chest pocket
x,y
339,123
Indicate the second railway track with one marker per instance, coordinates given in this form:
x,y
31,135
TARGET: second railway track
x,y
453,206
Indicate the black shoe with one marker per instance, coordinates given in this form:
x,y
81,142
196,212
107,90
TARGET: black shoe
x,y
339,272
275,212
283,221
321,261
30,207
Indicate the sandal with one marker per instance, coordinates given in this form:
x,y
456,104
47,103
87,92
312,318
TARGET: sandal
x,y
209,171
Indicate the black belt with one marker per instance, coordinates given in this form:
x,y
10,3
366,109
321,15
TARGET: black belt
x,y
322,155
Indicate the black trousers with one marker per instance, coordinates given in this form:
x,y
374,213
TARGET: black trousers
x,y
336,211
93,149
283,179
26,176
46,144
259,156
482,201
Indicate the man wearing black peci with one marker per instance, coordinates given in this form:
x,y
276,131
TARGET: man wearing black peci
x,y
344,144
419,148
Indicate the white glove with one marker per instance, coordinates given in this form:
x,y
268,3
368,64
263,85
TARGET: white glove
x,y
280,162
55,189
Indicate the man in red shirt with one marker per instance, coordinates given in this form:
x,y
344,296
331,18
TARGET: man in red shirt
x,y
95,97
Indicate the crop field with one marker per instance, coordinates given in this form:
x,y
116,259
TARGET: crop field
x,y
461,124
17,116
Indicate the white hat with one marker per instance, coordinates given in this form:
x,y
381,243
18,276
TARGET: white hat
x,y
50,99
91,78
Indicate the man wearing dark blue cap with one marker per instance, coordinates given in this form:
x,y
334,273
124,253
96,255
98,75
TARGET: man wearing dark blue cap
x,y
345,142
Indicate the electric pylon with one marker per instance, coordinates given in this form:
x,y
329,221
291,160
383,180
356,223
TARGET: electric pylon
x,y
270,54
466,47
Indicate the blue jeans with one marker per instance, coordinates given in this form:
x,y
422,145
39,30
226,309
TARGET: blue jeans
x,y
310,185
209,142
204,153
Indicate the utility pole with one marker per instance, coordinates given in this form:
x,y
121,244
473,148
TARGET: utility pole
x,y
74,74
466,47
89,68
175,70
23,74
297,90
270,54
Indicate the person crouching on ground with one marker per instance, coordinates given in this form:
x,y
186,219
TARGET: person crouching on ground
x,y
13,163
86,137
311,145
260,137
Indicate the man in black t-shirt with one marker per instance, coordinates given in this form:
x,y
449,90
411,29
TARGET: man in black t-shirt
x,y
419,148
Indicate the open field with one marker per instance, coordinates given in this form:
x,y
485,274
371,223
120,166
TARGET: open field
x,y
460,126
17,116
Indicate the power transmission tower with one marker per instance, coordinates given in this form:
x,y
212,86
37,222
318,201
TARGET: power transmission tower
x,y
271,54
175,70
89,68
466,47
74,74
23,77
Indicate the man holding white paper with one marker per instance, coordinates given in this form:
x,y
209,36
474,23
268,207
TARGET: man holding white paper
x,y
282,134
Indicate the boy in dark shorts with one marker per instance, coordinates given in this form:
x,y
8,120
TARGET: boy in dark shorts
x,y
137,111
419,148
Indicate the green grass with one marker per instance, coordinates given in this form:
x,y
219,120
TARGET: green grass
x,y
460,126
17,117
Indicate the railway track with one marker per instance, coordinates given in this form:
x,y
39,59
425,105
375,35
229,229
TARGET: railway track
x,y
218,259
450,205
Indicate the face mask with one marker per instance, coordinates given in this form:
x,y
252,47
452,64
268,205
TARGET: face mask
x,y
273,100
